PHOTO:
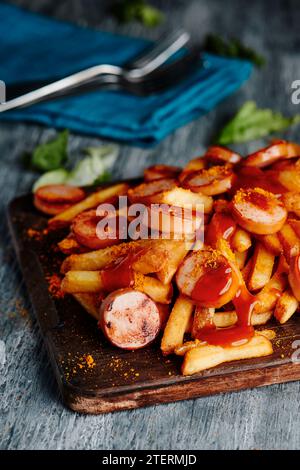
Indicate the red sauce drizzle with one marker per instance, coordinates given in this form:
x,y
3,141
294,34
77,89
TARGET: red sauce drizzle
x,y
249,178
120,273
221,226
214,283
226,336
208,288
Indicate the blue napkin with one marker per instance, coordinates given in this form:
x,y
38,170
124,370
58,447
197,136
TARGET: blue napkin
x,y
36,47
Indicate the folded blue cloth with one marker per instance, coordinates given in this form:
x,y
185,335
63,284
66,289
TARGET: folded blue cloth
x,y
35,47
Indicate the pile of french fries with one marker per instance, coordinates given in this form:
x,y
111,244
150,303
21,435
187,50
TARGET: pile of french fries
x,y
265,255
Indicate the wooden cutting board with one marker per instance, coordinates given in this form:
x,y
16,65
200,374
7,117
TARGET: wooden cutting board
x,y
117,379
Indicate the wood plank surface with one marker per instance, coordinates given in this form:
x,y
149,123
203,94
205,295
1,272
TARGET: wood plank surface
x,y
31,413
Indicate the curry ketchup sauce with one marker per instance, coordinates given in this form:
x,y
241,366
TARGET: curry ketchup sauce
x,y
120,273
213,286
216,282
222,225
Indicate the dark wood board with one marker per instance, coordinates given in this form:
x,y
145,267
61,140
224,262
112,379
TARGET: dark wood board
x,y
122,379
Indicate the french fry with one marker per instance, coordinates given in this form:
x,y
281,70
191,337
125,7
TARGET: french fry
x,y
229,318
241,240
290,178
189,325
159,292
286,306
203,317
91,281
174,258
270,334
177,324
96,260
241,258
184,197
196,343
292,202
271,242
187,346
64,218
89,303
269,295
295,224
205,357
77,282
246,270
152,259
289,241
262,267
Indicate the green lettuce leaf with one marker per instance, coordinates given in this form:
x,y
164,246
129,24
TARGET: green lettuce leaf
x,y
251,123
51,155
93,166
58,176
91,170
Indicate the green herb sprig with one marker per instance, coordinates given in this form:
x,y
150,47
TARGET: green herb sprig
x,y
233,47
137,10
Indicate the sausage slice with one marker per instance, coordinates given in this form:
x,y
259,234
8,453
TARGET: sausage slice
x,y
87,232
212,181
157,172
219,154
55,198
129,319
146,193
208,278
258,211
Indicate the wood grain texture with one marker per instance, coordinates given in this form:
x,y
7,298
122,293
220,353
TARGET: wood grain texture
x,y
32,415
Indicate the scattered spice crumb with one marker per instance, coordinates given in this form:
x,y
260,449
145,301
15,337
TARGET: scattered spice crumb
x,y
37,234
90,361
54,286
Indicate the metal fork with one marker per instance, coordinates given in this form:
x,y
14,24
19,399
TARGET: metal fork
x,y
165,77
137,70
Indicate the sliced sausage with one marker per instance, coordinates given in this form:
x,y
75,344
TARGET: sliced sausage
x,y
55,198
208,278
211,181
258,211
173,222
196,164
157,172
279,150
219,154
60,193
87,232
129,319
147,193
49,208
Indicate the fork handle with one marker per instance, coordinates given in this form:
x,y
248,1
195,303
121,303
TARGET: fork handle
x,y
61,85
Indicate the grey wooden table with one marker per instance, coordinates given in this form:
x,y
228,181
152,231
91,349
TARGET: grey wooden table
x,y
32,415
